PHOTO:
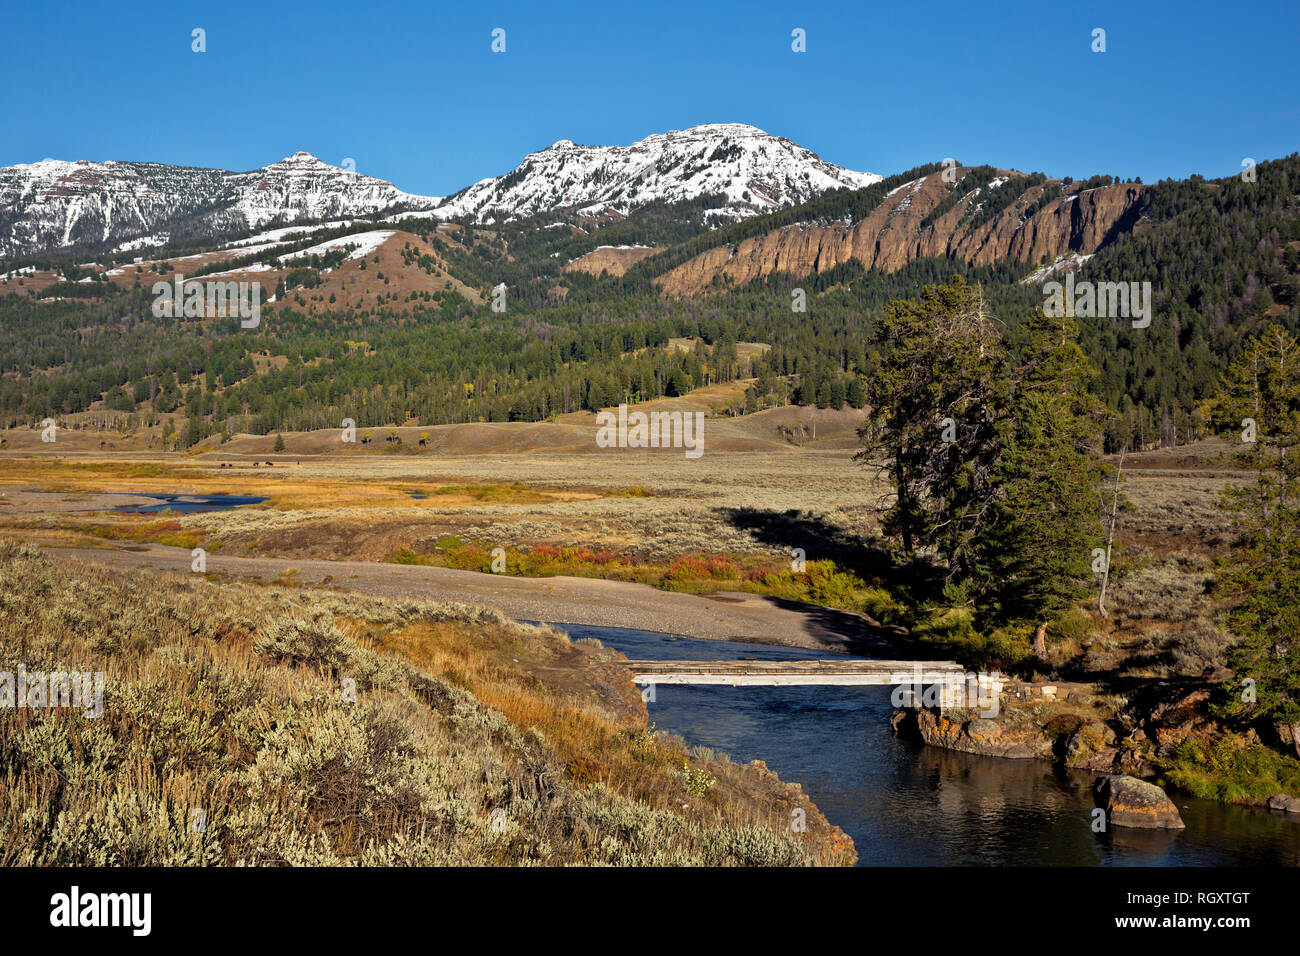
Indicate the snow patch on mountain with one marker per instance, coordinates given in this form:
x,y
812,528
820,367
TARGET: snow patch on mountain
x,y
276,236
1063,263
144,242
365,242
751,171
57,204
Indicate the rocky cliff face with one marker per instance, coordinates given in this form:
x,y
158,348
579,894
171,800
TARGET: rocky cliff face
x,y
897,232
615,260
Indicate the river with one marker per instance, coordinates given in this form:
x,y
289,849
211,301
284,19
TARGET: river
x,y
906,804
180,504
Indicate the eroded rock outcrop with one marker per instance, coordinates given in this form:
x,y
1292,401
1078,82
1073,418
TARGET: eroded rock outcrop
x,y
897,232
615,260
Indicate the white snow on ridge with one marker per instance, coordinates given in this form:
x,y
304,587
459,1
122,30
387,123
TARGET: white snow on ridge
x,y
276,236
906,201
144,242
54,204
366,243
1066,263
253,250
753,171
136,205
414,214
303,187
255,267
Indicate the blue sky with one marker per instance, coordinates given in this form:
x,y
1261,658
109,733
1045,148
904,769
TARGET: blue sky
x,y
413,94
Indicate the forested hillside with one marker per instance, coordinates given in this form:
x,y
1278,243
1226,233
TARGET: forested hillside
x,y
1223,257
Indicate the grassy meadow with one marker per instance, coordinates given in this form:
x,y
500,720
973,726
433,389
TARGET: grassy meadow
x,y
698,529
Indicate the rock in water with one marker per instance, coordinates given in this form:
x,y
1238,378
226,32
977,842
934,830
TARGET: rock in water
x,y
1280,801
1130,802
979,735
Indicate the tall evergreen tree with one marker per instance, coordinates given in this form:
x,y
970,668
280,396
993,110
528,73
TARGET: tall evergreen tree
x,y
931,428
995,463
1260,395
1037,552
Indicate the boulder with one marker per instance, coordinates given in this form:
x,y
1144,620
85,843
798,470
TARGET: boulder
x,y
1090,736
1091,746
1288,734
993,738
1181,710
1130,802
1287,804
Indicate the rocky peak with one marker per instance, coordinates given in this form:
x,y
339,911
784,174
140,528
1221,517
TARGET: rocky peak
x,y
59,204
751,170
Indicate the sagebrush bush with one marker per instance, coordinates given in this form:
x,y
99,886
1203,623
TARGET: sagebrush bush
x,y
1203,644
227,737
1166,591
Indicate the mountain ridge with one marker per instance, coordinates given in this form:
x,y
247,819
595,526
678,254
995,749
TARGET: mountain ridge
x,y
1012,217
752,171
61,204
57,204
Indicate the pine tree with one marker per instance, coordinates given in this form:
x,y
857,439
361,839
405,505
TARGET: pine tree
x,y
856,394
1260,395
1036,556
931,430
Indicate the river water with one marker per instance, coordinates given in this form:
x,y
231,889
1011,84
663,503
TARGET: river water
x,y
179,504
906,804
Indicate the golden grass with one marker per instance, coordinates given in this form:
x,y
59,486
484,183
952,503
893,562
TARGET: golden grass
x,y
283,489
225,698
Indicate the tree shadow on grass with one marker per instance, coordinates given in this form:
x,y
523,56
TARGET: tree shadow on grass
x,y
821,540
858,634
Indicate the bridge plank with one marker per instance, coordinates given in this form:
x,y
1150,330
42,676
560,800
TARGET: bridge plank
x,y
808,672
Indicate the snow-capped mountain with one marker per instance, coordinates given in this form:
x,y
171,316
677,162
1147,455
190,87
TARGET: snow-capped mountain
x,y
54,204
303,187
755,171
124,205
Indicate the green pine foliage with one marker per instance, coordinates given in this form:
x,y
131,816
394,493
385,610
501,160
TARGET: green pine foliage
x,y
1036,559
994,464
931,428
1260,394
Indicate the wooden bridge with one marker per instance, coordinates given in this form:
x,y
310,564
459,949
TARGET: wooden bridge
x,y
948,682
779,673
